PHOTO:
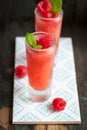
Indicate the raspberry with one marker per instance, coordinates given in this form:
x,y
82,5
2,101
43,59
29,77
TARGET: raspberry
x,y
48,15
21,71
40,8
44,8
54,15
47,5
59,104
46,41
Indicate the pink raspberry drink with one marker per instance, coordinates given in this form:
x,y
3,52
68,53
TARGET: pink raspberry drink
x,y
40,62
48,21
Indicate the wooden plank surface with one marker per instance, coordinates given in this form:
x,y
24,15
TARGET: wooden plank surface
x,y
79,36
51,127
40,127
5,117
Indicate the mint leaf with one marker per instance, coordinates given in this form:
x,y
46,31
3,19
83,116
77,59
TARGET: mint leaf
x,y
38,47
56,6
32,41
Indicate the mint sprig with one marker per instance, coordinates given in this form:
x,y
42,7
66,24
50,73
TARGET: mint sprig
x,y
56,6
32,41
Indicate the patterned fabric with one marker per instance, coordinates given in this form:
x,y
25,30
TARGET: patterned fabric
x,y
64,85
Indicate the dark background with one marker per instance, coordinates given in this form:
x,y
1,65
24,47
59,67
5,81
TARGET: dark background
x,y
75,11
17,18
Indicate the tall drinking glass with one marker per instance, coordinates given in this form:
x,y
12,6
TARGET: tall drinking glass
x,y
40,64
50,25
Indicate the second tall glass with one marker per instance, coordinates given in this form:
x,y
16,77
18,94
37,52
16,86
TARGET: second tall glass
x,y
50,25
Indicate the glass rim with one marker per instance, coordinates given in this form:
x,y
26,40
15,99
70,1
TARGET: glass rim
x,y
49,19
45,49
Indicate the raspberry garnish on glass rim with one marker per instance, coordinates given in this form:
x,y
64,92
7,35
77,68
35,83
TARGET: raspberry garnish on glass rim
x,y
46,41
43,42
49,8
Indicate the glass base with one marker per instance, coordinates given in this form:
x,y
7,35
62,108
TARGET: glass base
x,y
39,96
